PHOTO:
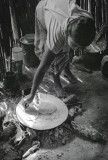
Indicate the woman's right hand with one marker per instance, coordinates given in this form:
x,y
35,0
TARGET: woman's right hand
x,y
27,101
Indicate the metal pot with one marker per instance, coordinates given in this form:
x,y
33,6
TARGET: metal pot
x,y
27,44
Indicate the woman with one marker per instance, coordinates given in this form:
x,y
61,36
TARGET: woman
x,y
60,26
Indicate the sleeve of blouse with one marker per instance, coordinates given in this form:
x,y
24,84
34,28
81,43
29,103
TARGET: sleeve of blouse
x,y
72,1
37,34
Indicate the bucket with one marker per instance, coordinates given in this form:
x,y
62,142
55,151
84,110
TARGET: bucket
x,y
17,61
17,54
27,44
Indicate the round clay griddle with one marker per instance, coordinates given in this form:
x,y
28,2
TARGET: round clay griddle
x,y
50,113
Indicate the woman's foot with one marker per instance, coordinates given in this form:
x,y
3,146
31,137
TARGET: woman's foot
x,y
77,60
70,76
60,93
59,89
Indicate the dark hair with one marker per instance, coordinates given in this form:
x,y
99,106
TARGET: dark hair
x,y
82,30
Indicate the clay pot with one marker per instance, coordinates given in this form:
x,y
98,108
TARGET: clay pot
x,y
92,60
104,66
27,44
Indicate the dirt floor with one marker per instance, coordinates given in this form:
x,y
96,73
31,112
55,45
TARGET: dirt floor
x,y
91,89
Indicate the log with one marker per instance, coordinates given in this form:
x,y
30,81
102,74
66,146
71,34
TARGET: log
x,y
88,132
32,150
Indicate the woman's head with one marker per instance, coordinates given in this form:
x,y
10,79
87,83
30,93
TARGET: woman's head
x,y
81,32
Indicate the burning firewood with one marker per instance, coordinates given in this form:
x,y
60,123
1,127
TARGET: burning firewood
x,y
20,138
32,149
20,134
20,143
8,132
3,109
70,99
75,110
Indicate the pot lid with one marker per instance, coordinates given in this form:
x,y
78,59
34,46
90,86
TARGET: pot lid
x,y
16,49
27,39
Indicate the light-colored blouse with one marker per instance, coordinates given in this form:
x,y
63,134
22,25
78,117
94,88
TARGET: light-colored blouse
x,y
51,20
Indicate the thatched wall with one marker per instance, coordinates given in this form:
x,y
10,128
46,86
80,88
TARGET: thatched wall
x,y
25,12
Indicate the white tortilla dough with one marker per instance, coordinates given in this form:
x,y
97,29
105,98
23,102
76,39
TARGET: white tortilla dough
x,y
46,108
31,110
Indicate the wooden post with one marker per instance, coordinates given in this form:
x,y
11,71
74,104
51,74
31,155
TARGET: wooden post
x,y
89,6
81,3
106,10
97,14
103,12
106,14
84,4
93,4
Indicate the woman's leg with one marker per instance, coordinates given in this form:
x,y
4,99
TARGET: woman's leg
x,y
59,89
68,74
57,67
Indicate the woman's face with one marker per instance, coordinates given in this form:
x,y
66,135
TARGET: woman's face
x,y
72,44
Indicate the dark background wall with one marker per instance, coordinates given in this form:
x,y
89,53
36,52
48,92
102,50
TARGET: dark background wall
x,y
25,15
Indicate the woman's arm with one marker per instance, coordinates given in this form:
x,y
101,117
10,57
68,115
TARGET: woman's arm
x,y
45,63
37,33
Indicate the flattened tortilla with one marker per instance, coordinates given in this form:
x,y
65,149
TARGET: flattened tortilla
x,y
47,108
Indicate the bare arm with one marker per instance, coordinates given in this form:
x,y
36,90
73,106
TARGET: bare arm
x,y
37,32
46,61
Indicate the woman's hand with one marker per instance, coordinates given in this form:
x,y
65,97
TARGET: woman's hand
x,y
27,101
